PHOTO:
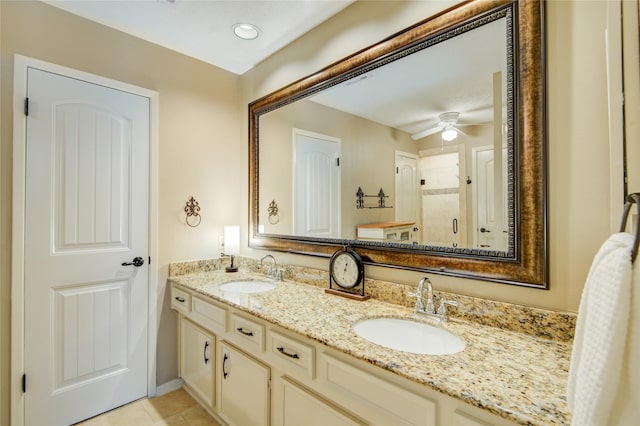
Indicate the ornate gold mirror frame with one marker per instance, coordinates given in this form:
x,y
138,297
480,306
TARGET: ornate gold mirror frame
x,y
526,261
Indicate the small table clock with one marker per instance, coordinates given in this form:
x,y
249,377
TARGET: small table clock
x,y
346,270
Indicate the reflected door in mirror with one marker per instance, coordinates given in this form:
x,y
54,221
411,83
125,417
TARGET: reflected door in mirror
x,y
316,185
407,189
490,211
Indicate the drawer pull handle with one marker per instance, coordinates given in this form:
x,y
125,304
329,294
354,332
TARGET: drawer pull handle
x,y
246,333
283,352
204,352
224,366
180,299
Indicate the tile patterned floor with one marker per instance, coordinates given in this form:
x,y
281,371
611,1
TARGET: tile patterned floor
x,y
174,408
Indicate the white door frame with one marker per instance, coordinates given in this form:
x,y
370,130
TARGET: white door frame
x,y
21,64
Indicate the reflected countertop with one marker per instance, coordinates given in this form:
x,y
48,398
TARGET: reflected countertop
x,y
515,375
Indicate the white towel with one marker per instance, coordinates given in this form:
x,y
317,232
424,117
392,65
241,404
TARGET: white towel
x,y
601,332
626,407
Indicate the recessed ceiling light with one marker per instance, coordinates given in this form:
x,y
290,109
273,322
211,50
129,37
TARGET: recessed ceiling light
x,y
246,31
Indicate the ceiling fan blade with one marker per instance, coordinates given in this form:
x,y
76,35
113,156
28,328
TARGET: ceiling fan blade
x,y
466,124
426,133
459,130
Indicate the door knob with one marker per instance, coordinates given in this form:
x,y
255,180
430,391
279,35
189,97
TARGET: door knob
x,y
484,230
137,261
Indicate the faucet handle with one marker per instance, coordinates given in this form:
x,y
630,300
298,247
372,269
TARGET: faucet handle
x,y
277,275
442,308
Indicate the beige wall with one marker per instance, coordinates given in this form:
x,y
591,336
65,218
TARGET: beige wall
x,y
200,151
577,127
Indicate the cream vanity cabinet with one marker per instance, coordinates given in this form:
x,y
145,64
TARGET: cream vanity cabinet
x,y
266,374
215,364
197,359
244,388
294,360
295,405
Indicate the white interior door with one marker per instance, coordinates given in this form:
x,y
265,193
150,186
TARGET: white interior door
x,y
407,192
491,232
86,207
316,185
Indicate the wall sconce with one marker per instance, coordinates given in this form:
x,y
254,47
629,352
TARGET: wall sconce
x,y
192,210
274,216
232,245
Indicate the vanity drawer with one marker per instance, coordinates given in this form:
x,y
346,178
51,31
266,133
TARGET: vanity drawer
x,y
180,300
209,315
291,355
248,334
380,401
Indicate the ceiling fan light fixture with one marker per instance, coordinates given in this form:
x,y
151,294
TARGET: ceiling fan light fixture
x,y
449,134
246,31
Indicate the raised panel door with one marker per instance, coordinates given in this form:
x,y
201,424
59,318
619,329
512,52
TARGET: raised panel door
x,y
244,388
197,360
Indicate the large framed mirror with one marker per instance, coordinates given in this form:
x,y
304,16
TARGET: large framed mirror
x,y
425,151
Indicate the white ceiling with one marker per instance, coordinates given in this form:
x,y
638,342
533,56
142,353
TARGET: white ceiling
x,y
203,28
407,95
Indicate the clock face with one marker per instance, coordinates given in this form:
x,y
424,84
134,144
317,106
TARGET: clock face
x,y
346,269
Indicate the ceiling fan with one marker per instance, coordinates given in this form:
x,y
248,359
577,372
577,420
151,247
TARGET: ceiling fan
x,y
448,124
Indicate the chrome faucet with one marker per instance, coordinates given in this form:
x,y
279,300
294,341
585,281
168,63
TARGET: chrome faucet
x,y
273,272
429,308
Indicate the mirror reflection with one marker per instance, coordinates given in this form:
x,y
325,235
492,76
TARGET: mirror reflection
x,y
418,151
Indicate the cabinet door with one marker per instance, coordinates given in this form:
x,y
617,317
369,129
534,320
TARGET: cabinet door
x,y
300,407
197,356
244,388
373,398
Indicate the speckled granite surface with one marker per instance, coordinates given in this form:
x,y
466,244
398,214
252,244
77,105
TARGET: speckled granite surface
x,y
515,375
523,319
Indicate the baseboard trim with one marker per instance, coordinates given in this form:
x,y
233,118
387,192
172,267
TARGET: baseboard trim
x,y
170,386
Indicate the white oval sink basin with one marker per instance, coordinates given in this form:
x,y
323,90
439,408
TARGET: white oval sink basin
x,y
247,286
409,336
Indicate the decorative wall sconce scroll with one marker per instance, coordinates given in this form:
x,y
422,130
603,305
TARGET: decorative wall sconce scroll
x,y
274,216
360,196
192,210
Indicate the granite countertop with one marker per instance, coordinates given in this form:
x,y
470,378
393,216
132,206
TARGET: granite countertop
x,y
515,375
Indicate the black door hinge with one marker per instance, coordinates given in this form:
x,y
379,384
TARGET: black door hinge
x,y
24,383
338,161
26,106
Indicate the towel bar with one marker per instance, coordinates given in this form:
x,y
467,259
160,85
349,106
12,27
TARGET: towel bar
x,y
632,199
